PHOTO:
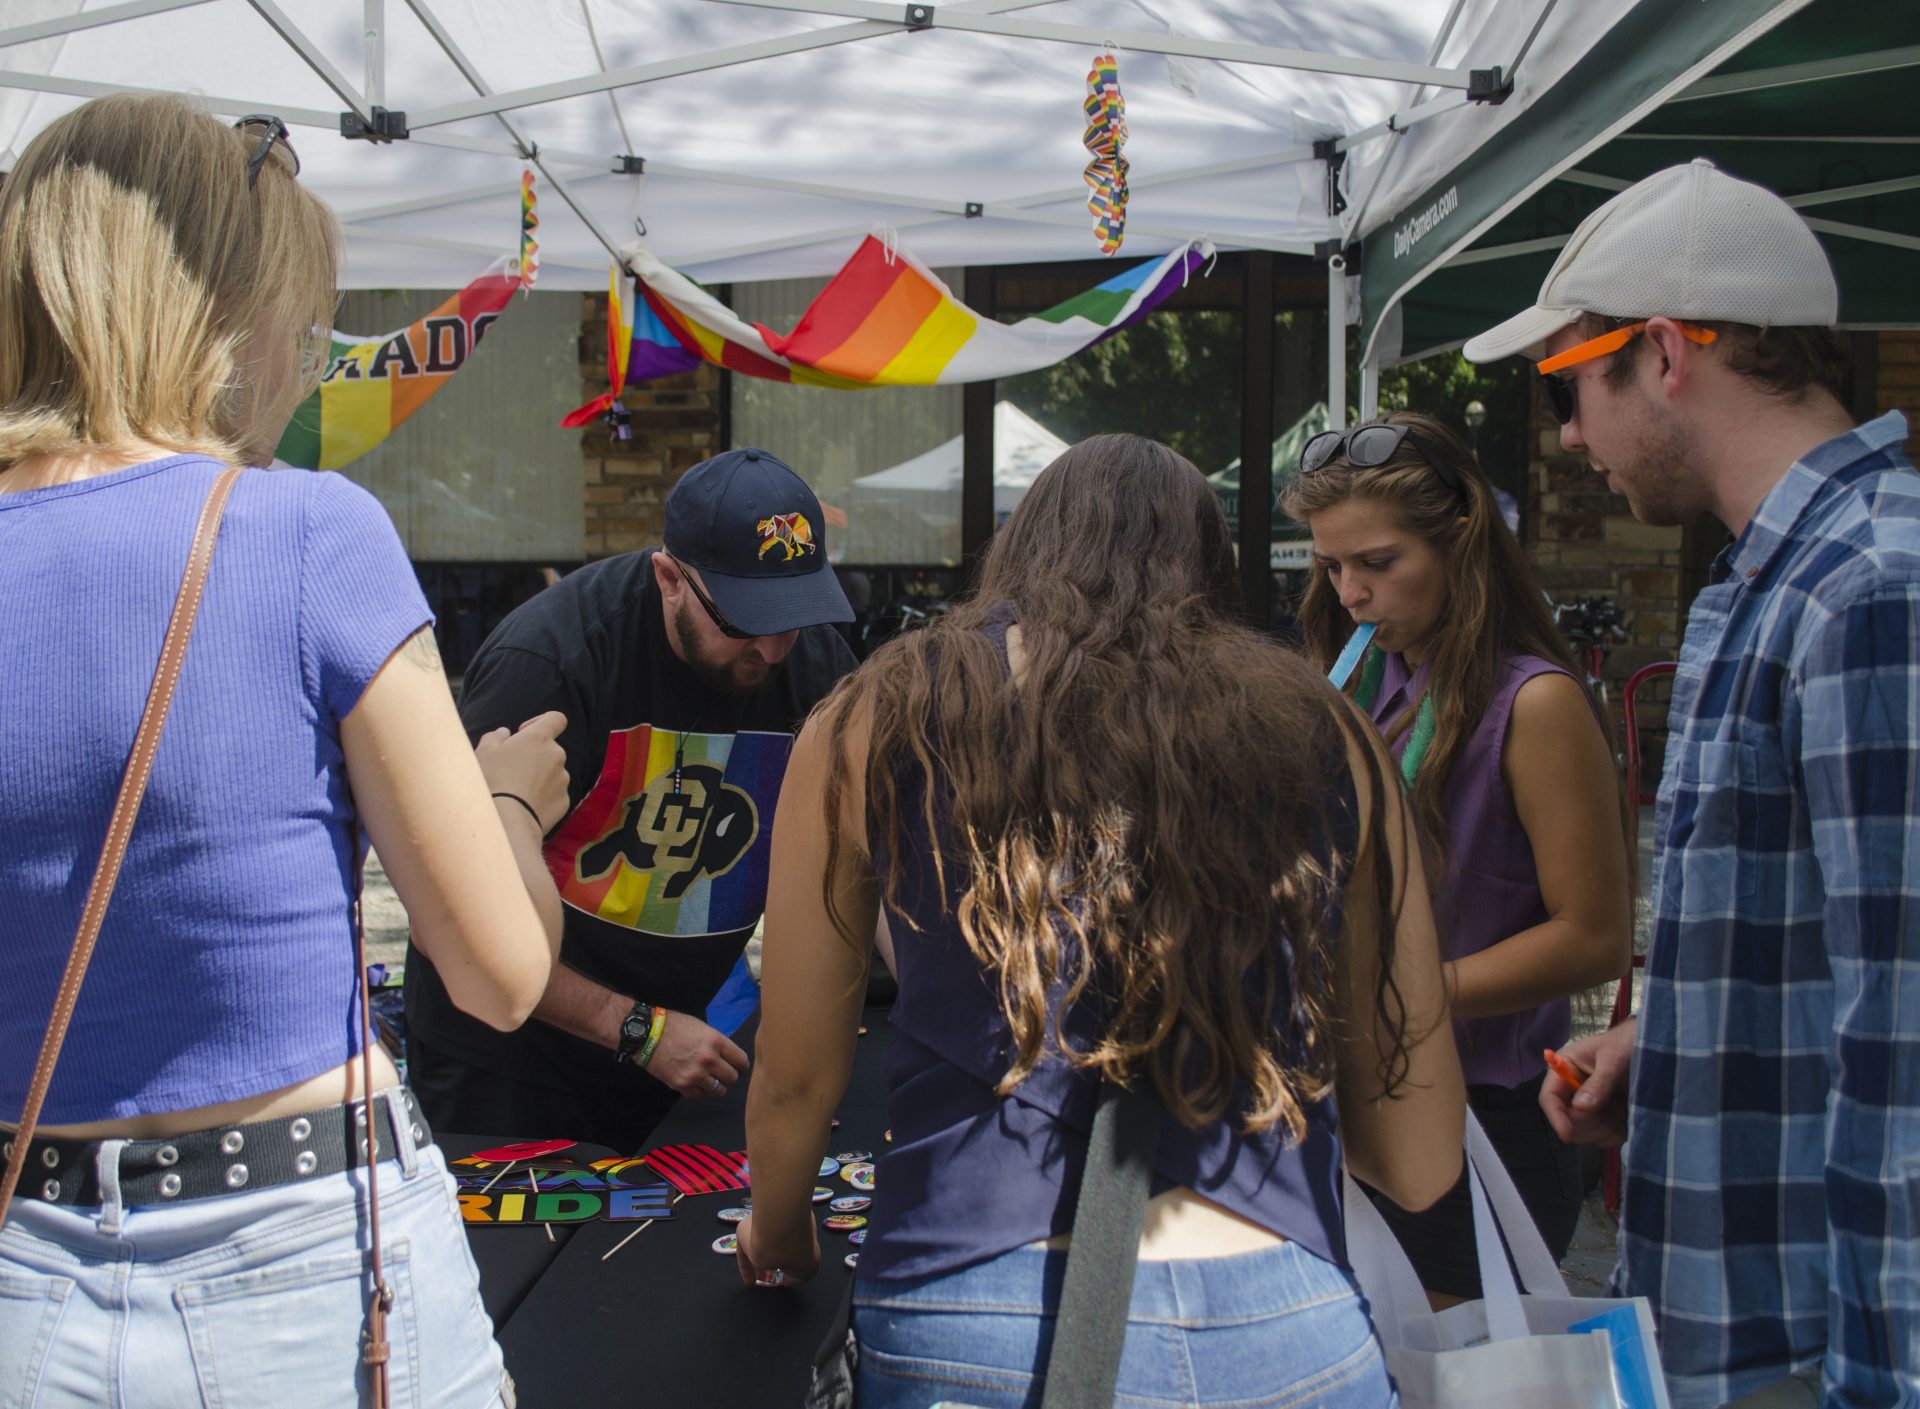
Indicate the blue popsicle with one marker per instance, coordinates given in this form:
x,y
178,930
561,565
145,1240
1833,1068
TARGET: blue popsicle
x,y
1350,654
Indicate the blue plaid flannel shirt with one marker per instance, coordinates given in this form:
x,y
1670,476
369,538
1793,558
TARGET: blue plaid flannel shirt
x,y
1772,1173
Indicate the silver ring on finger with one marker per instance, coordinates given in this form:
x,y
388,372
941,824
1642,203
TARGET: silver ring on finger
x,y
713,1086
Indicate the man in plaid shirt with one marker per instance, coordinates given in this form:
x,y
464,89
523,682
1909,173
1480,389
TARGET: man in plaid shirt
x,y
1769,1091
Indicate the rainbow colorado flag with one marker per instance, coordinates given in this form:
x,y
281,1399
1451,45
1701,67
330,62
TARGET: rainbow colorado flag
x,y
884,320
373,384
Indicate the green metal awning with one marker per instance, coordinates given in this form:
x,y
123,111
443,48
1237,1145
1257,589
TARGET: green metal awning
x,y
1811,98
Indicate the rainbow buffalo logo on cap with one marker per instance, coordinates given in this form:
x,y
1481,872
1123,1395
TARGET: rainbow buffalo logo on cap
x,y
789,532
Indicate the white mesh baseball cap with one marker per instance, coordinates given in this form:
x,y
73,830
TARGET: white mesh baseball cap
x,y
1690,242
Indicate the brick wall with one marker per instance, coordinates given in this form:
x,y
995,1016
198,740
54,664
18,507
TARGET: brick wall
x,y
1899,366
1587,543
676,424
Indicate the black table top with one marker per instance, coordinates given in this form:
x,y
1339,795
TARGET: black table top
x,y
666,1318
511,1260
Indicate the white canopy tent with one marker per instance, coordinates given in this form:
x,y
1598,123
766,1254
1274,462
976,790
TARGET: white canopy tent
x,y
907,512
772,134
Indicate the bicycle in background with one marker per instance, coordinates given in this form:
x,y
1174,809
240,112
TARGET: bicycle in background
x,y
1593,626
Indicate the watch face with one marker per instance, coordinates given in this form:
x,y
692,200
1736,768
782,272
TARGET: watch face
x,y
634,1027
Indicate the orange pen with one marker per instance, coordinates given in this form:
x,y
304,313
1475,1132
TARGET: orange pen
x,y
1564,1069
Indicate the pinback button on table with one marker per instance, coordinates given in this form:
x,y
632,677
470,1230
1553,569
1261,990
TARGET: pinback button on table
x,y
857,1236
850,1203
735,1215
852,1260
828,1166
855,1157
727,1243
843,1222
821,1193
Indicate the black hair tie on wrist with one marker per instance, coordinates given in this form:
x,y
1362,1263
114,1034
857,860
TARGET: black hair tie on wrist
x,y
530,812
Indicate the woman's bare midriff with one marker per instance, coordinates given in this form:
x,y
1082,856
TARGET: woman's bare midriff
x,y
1181,1224
330,1088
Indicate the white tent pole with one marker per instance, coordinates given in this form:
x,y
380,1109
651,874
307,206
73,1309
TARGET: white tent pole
x,y
1857,139
1400,122
1076,220
436,242
1370,389
108,14
373,34
1862,233
317,61
1337,342
685,64
530,150
1847,66
1800,202
1446,31
646,73
86,88
1526,45
493,190
817,237
1138,41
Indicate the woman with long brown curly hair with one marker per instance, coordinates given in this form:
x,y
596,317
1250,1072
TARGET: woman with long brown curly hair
x,y
1119,837
1511,777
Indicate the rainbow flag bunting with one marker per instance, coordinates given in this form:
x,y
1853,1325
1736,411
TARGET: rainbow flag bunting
x,y
884,320
529,242
1106,134
373,384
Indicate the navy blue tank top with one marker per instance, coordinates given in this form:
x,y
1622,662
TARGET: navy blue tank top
x,y
971,1174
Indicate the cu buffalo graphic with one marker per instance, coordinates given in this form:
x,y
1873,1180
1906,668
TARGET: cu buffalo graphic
x,y
791,533
679,836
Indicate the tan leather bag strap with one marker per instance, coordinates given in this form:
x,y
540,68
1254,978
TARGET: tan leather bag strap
x,y
376,1351
133,787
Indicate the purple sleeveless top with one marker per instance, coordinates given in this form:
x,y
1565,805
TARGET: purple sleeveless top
x,y
1491,889
971,1174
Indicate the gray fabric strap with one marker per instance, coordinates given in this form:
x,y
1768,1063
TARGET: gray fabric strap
x,y
1091,1326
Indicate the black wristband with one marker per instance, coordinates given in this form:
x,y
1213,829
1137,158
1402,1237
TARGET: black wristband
x,y
530,812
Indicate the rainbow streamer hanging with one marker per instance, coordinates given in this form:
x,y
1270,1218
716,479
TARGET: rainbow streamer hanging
x,y
373,384
884,320
620,344
1105,136
529,222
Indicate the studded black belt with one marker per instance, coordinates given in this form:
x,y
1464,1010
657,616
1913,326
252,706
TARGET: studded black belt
x,y
225,1160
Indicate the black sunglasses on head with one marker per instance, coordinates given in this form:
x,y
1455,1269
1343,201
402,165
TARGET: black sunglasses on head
x,y
718,617
1369,447
271,129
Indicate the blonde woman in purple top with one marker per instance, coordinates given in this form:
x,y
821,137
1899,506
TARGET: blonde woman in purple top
x,y
193,1223
1511,775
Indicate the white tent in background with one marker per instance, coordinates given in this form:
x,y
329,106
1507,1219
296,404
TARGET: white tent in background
x,y
910,512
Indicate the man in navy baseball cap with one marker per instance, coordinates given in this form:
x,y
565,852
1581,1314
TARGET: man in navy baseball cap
x,y
753,530
683,671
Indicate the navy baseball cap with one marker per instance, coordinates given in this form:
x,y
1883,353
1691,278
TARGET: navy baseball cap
x,y
756,533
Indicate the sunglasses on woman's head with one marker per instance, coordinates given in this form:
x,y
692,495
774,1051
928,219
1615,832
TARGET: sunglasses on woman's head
x,y
714,614
1369,447
269,129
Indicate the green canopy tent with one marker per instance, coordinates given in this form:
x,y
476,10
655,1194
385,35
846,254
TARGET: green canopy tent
x,y
1811,98
1286,459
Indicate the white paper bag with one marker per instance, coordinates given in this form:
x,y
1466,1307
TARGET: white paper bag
x,y
1526,1346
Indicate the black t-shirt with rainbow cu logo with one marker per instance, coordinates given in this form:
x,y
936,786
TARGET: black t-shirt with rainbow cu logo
x,y
662,886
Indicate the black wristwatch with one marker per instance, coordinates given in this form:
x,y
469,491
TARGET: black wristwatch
x,y
633,1031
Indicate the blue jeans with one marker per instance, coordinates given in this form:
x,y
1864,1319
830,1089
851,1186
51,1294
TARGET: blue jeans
x,y
244,1300
1274,1329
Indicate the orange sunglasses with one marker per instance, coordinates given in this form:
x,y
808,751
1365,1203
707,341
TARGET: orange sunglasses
x,y
1613,342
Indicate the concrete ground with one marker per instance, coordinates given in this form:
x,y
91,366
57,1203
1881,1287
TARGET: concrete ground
x,y
1588,1261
